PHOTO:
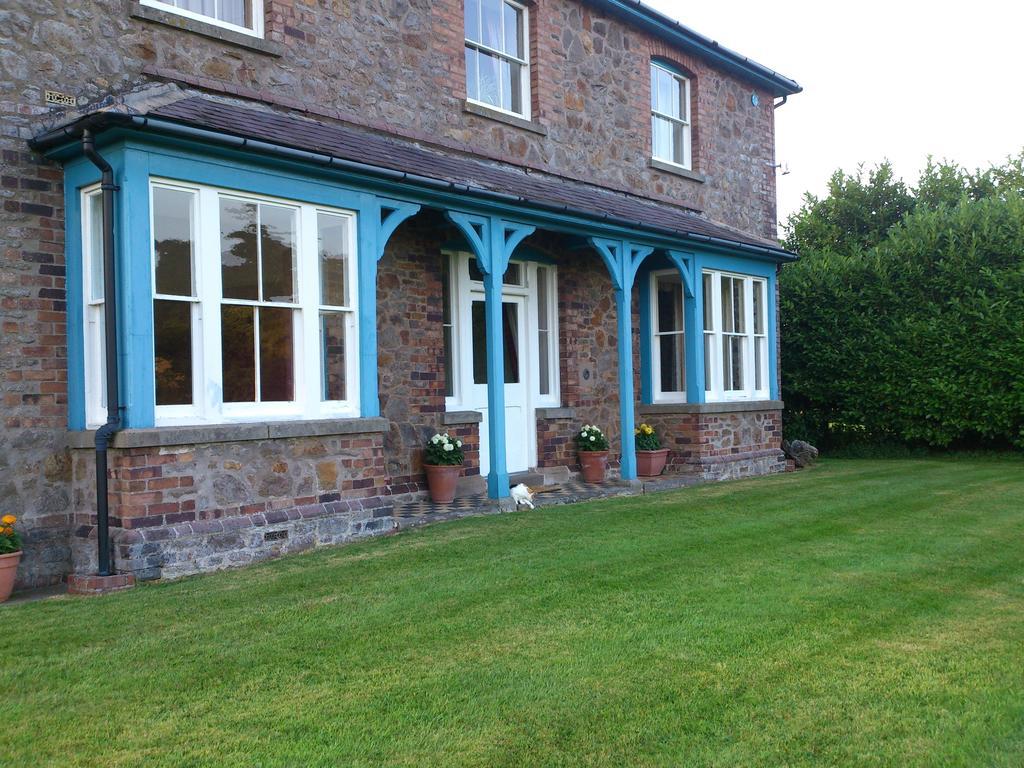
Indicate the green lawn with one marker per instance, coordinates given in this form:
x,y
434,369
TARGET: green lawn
x,y
862,613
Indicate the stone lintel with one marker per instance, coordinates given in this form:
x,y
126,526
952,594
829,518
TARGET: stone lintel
x,y
738,406
158,437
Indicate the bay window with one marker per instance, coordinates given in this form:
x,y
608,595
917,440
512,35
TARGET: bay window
x,y
670,116
735,336
254,307
497,55
244,16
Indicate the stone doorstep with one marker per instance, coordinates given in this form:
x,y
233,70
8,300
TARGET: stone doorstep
x,y
86,584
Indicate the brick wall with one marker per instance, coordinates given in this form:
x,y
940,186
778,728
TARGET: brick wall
x,y
719,446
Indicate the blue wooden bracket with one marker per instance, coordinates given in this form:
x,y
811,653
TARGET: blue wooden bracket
x,y
493,241
378,220
392,214
684,263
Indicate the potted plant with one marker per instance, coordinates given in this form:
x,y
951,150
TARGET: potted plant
x,y
10,555
442,460
650,456
592,450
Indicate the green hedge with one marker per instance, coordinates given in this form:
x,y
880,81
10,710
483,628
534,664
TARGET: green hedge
x,y
918,339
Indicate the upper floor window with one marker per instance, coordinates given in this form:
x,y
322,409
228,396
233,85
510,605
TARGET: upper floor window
x,y
735,336
240,15
497,58
670,116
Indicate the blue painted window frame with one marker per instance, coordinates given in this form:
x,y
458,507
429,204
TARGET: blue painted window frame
x,y
135,163
693,309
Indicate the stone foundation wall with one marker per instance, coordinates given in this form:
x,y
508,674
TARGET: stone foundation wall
x,y
712,442
184,486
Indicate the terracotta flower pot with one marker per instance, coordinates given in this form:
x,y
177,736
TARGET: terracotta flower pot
x,y
8,570
594,464
441,480
651,463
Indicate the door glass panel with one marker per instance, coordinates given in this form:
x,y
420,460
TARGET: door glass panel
x,y
479,344
447,326
510,324
510,327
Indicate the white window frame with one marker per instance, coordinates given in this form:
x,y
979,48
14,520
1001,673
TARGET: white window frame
x,y
93,318
659,396
526,97
208,406
684,119
256,10
715,337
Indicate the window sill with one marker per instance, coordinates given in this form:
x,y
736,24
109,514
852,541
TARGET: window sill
x,y
502,117
159,437
147,13
455,418
727,406
556,413
678,170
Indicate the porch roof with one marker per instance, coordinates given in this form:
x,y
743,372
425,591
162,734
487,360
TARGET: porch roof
x,y
419,165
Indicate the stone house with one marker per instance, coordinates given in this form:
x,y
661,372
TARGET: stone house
x,y
326,226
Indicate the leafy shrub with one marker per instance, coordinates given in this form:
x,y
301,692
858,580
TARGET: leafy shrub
x,y
918,339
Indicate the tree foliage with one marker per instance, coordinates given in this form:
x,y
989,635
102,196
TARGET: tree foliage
x,y
904,319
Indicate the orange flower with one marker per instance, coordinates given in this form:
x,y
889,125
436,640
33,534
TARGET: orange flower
x,y
8,519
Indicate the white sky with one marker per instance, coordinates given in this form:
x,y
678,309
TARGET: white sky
x,y
900,79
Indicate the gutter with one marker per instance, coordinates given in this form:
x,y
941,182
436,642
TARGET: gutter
x,y
106,432
643,16
101,120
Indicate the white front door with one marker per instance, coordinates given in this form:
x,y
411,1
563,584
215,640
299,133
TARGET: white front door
x,y
518,416
530,340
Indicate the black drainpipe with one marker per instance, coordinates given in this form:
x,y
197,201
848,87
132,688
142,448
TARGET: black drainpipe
x,y
106,432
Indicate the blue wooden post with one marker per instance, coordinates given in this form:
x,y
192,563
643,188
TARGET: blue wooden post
x,y
493,240
379,219
693,311
623,259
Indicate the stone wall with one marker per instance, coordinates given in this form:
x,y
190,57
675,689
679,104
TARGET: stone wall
x,y
176,488
719,441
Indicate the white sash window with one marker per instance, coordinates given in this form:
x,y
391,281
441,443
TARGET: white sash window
x,y
254,307
735,337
